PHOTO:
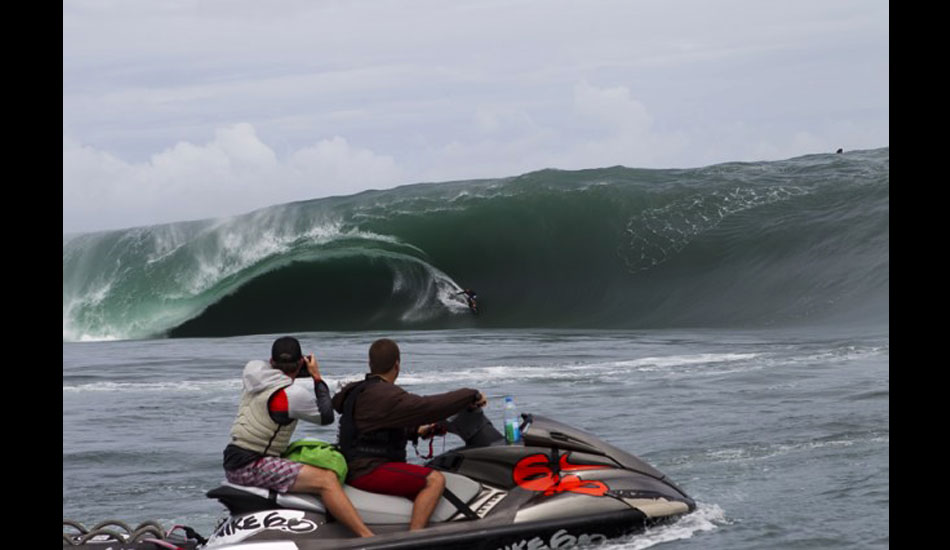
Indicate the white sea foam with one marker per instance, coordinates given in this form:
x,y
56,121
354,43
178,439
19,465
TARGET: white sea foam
x,y
656,363
707,517
569,371
437,297
88,302
231,385
219,253
846,353
764,452
91,337
656,235
238,246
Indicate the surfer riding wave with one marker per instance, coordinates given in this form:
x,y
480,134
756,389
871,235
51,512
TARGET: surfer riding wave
x,y
472,298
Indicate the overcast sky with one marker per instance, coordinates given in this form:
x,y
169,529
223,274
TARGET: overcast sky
x,y
186,109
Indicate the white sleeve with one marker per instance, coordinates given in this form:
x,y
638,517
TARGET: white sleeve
x,y
303,404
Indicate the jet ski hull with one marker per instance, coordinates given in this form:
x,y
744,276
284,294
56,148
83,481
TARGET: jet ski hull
x,y
559,488
552,534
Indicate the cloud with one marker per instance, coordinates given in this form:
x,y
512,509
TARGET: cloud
x,y
233,173
222,119
626,131
342,168
613,107
596,126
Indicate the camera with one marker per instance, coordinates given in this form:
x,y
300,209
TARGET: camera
x,y
302,371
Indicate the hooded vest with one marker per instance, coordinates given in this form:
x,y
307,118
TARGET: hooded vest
x,y
254,429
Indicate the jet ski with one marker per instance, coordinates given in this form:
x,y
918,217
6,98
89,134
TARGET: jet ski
x,y
556,488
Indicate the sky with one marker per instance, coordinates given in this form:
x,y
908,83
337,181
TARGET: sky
x,y
190,109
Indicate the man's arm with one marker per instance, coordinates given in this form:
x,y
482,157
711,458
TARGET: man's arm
x,y
303,406
407,410
313,407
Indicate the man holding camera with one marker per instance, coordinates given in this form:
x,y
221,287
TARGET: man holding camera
x,y
270,407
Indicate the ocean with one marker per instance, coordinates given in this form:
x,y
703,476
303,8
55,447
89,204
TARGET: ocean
x,y
728,324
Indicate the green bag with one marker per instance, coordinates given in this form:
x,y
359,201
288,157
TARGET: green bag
x,y
317,453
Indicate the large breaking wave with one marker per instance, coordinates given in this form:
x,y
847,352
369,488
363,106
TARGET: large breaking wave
x,y
804,240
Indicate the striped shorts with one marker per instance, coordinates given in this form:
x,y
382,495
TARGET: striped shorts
x,y
269,472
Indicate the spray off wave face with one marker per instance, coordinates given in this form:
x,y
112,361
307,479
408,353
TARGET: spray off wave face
x,y
735,245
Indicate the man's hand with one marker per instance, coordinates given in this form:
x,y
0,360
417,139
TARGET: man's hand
x,y
431,430
313,368
480,401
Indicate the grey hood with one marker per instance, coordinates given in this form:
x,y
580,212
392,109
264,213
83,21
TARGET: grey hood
x,y
260,375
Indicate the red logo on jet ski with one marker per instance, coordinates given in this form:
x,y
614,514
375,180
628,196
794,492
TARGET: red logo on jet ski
x,y
534,473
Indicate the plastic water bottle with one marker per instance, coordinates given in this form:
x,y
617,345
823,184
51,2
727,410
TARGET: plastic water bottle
x,y
512,430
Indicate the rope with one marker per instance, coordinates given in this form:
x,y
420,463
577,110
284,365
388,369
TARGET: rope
x,y
431,452
148,531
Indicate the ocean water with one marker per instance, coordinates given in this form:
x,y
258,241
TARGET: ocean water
x,y
781,436
727,324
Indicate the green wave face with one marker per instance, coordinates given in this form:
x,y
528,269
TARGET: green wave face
x,y
742,244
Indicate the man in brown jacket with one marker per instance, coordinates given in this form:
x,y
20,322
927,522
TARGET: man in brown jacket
x,y
378,418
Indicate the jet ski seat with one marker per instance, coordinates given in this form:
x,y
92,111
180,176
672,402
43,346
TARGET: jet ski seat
x,y
374,508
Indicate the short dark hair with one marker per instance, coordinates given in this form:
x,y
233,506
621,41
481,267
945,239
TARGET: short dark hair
x,y
285,354
383,355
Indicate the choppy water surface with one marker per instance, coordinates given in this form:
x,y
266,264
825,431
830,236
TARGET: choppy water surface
x,y
782,436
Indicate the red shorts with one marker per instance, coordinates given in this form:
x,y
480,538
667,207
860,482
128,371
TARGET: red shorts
x,y
394,478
